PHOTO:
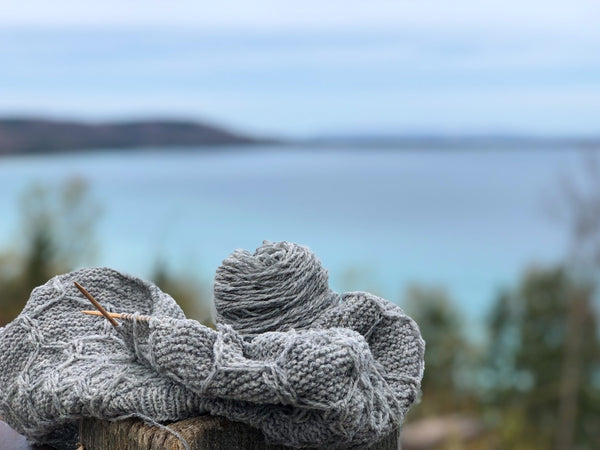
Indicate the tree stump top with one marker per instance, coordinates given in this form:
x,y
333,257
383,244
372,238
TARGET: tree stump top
x,y
200,433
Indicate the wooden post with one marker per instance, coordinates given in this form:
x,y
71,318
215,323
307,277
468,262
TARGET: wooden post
x,y
201,433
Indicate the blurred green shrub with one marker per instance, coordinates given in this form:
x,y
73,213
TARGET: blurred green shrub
x,y
543,363
189,293
448,352
56,234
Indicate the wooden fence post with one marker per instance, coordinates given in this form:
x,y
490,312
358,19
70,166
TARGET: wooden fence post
x,y
201,433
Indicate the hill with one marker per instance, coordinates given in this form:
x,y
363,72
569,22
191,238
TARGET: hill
x,y
27,136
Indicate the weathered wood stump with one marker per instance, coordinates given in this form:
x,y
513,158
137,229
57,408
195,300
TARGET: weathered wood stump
x,y
201,433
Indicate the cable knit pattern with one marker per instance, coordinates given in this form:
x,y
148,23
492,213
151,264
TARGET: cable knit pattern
x,y
319,370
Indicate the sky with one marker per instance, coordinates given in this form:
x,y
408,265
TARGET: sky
x,y
308,68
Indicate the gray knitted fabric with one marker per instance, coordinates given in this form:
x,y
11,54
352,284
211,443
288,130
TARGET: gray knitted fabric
x,y
306,366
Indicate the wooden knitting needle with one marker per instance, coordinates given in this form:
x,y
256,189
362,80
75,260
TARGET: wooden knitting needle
x,y
117,315
112,316
104,312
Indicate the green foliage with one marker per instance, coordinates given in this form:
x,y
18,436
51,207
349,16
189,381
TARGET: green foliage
x,y
536,385
186,290
441,329
539,360
56,235
447,351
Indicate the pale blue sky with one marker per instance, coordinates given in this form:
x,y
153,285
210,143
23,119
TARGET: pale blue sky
x,y
311,67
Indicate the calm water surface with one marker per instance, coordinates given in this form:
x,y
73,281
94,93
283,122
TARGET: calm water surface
x,y
467,220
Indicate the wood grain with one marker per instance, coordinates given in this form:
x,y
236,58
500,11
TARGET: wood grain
x,y
201,433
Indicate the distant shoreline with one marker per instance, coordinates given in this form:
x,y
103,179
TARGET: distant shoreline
x,y
459,142
24,136
32,136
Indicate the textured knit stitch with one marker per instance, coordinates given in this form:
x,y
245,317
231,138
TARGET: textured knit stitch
x,y
306,366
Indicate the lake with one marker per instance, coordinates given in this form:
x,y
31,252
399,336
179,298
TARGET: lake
x,y
470,221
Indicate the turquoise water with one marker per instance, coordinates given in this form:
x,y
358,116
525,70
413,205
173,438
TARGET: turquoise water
x,y
379,220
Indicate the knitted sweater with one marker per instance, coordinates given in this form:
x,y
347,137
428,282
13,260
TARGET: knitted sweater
x,y
306,366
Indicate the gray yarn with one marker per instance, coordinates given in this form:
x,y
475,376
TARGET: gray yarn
x,y
290,357
281,286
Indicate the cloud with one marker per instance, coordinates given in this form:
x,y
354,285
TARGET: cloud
x,y
289,68
570,16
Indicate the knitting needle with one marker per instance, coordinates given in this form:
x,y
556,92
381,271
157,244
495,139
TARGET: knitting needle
x,y
118,315
96,304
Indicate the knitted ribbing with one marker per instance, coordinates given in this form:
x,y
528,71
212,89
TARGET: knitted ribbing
x,y
343,376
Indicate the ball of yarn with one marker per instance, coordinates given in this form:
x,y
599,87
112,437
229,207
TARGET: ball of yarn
x,y
281,286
